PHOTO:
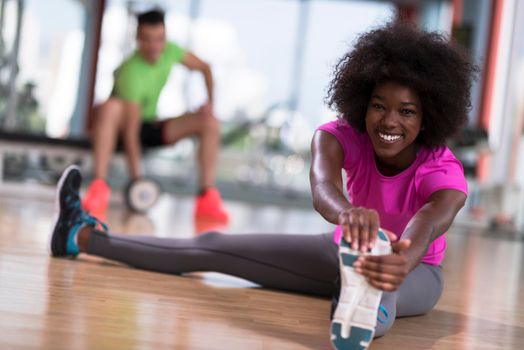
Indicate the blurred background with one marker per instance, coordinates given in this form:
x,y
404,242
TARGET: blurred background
x,y
272,61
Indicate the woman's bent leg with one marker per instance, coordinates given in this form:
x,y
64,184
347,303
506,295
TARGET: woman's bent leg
x,y
417,295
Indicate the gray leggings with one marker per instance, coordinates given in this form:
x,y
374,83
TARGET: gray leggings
x,y
297,263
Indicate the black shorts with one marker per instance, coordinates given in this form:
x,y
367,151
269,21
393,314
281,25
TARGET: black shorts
x,y
151,135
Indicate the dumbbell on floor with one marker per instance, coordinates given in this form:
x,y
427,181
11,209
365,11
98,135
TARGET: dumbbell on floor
x,y
141,194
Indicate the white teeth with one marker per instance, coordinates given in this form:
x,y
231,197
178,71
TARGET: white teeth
x,y
389,138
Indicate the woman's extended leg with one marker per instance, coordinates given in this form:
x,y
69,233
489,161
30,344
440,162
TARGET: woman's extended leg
x,y
298,263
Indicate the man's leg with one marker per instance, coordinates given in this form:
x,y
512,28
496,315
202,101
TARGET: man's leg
x,y
206,127
108,122
131,138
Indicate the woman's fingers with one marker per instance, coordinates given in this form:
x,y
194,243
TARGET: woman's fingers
x,y
359,227
369,224
384,286
385,272
364,232
373,227
343,221
354,229
383,277
382,272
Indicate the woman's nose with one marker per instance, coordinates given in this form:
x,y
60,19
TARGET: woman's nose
x,y
390,118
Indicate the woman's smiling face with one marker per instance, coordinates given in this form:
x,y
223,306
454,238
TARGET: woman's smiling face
x,y
393,122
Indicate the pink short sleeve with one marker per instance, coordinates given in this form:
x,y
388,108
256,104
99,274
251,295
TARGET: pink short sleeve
x,y
349,139
444,171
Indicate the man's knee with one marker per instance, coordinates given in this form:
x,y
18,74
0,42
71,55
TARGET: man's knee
x,y
113,106
209,123
110,112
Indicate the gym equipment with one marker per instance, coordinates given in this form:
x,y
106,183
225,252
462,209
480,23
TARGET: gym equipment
x,y
141,194
9,66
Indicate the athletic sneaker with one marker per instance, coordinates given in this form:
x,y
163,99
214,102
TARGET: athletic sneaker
x,y
69,216
96,199
209,206
355,317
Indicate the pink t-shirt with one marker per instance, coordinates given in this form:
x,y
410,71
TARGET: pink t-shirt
x,y
396,198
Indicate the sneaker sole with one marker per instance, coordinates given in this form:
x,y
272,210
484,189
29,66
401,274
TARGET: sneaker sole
x,y
355,317
56,216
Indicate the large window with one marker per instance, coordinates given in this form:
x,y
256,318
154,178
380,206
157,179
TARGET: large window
x,y
326,44
41,50
118,41
271,60
285,52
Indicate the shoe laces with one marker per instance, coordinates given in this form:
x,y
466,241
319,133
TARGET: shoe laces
x,y
90,220
83,218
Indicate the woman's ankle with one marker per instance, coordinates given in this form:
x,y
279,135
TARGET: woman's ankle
x,y
83,238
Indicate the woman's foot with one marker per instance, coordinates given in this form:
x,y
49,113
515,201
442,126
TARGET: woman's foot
x,y
355,317
70,219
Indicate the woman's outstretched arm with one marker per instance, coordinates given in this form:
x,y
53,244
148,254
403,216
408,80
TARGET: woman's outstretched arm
x,y
359,225
387,272
325,177
430,222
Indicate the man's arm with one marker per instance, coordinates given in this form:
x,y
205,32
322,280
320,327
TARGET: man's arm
x,y
192,62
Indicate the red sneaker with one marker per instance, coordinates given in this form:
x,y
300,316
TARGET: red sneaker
x,y
209,206
96,199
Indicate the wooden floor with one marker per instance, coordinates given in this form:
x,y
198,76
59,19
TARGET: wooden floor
x,y
94,304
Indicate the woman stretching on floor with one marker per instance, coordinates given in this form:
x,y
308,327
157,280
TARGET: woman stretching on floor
x,y
400,93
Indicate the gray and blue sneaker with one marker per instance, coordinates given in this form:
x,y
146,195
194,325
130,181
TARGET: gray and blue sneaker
x,y
355,317
69,216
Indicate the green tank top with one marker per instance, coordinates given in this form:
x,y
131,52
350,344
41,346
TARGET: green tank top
x,y
139,81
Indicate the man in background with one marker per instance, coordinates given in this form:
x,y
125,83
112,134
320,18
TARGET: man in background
x,y
131,112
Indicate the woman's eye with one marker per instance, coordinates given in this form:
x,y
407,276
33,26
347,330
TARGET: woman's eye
x,y
377,106
407,111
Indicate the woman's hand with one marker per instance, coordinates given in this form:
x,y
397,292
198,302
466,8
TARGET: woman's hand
x,y
359,227
385,272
